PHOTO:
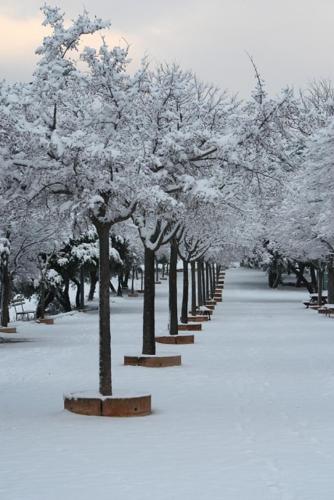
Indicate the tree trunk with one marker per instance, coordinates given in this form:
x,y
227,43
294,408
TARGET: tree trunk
x,y
133,280
156,270
193,288
46,297
214,281
5,295
199,284
119,288
142,280
104,310
173,321
77,295
320,285
313,279
82,287
93,281
210,281
125,280
302,278
149,306
63,296
207,279
185,295
330,270
299,280
203,282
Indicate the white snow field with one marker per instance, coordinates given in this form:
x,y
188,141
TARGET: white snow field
x,y
249,415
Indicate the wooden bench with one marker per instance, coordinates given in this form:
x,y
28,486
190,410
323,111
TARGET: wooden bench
x,y
313,302
22,314
326,309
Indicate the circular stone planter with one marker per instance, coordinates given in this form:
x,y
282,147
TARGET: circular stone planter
x,y
176,339
46,321
189,327
7,329
153,361
140,291
108,406
134,294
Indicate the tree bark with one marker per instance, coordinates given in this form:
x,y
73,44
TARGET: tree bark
x,y
185,294
93,281
173,321
141,279
5,296
193,288
156,270
199,284
210,281
207,279
133,280
330,270
320,285
104,310
203,282
314,281
82,287
149,306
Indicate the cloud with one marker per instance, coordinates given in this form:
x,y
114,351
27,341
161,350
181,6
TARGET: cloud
x,y
291,42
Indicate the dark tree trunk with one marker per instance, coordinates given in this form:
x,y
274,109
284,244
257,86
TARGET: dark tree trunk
x,y
93,281
214,281
5,295
163,270
193,288
173,322
330,288
203,282
63,296
207,280
156,270
299,281
302,278
126,279
133,280
185,295
313,279
320,285
82,287
142,280
210,281
149,306
199,284
45,299
77,295
104,310
119,288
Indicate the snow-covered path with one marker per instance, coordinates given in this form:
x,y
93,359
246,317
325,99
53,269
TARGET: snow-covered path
x,y
249,415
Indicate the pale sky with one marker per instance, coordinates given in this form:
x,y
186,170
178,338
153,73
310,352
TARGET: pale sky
x,y
292,41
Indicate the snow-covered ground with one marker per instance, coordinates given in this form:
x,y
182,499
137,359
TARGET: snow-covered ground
x,y
248,416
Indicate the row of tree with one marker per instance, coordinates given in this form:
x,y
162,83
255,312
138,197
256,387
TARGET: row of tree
x,y
157,157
